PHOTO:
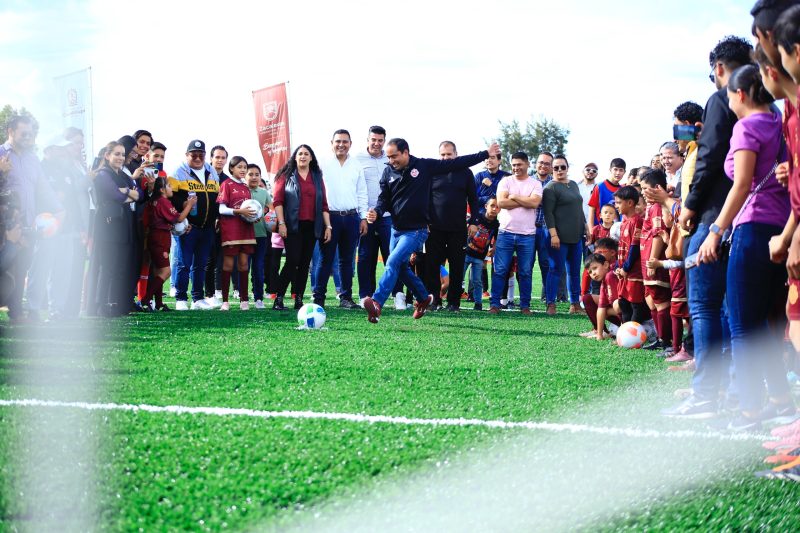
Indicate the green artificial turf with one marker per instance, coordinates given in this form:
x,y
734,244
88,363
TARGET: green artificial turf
x,y
158,471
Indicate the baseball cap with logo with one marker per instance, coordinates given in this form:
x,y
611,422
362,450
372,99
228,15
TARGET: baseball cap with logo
x,y
196,146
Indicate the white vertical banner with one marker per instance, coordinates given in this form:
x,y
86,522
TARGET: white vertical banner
x,y
75,104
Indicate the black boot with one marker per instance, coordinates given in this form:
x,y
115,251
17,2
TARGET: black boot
x,y
298,302
278,304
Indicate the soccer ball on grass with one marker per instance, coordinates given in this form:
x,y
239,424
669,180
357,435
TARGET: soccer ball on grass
x,y
311,316
631,335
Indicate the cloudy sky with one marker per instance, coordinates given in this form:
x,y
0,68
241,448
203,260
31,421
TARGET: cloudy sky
x,y
612,72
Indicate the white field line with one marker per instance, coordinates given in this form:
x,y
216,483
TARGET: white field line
x,y
399,420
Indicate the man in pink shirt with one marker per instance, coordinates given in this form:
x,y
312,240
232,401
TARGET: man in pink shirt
x,y
518,197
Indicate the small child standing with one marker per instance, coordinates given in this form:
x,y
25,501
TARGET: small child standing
x,y
259,193
629,266
237,235
161,217
653,245
478,247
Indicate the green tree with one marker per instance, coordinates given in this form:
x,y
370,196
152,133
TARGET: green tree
x,y
542,135
5,115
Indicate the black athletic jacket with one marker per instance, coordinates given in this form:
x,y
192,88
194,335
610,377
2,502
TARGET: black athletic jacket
x,y
406,193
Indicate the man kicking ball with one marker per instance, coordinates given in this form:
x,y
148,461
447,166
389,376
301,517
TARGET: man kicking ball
x,y
405,193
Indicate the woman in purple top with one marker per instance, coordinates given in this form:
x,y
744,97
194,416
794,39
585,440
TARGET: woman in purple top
x,y
756,210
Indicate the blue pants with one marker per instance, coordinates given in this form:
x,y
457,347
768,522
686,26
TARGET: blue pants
x,y
402,245
571,255
257,266
507,243
194,249
706,284
542,249
175,260
475,276
316,259
378,237
755,288
344,240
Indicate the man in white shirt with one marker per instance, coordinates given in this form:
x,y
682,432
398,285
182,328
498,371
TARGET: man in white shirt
x,y
346,191
587,185
672,160
373,161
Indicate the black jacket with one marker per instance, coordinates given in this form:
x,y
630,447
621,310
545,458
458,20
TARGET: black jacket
x,y
450,194
406,193
710,185
291,203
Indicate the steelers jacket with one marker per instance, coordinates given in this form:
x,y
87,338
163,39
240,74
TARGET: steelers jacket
x,y
186,180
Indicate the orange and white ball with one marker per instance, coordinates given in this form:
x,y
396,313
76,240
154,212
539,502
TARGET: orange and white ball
x,y
631,335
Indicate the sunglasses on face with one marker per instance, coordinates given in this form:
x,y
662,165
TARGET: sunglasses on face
x,y
590,170
559,168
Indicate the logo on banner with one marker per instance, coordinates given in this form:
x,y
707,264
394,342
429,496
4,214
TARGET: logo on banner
x,y
270,110
72,98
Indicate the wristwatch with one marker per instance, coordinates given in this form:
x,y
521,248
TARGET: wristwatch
x,y
715,229
328,227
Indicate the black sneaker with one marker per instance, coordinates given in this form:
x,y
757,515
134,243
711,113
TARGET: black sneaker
x,y
778,414
163,308
477,307
347,303
453,308
511,305
655,345
317,301
692,408
298,302
278,304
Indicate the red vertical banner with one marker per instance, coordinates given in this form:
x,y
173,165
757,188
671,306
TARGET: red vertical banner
x,y
272,126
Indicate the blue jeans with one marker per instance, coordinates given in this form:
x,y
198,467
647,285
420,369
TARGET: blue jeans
x,y
175,254
542,249
263,244
316,259
569,254
194,249
507,243
475,276
403,244
378,237
755,287
340,249
706,284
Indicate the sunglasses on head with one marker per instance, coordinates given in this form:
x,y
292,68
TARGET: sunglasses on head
x,y
559,168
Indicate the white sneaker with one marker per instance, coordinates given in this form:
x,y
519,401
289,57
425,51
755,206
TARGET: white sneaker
x,y
612,329
226,306
218,296
202,305
400,301
361,302
244,305
213,302
259,304
172,292
181,305
236,295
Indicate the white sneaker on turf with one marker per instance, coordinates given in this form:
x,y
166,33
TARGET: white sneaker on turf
x,y
202,305
181,305
244,305
213,302
400,301
236,295
172,292
612,329
218,296
226,306
259,304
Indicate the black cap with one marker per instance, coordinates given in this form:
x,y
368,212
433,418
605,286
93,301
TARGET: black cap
x,y
196,146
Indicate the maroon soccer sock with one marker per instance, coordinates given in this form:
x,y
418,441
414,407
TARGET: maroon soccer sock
x,y
656,322
677,333
665,326
590,307
226,284
158,289
244,275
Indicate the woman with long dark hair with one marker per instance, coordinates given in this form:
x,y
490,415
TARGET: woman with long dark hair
x,y
302,210
756,209
114,234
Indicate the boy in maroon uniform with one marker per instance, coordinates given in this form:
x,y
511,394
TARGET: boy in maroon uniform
x,y
161,216
629,265
237,235
602,270
607,247
653,245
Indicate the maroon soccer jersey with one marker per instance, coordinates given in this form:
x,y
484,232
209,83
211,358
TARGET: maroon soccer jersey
x,y
600,232
608,289
163,214
233,228
652,228
631,288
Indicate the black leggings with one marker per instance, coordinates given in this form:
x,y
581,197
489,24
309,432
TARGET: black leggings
x,y
637,312
299,248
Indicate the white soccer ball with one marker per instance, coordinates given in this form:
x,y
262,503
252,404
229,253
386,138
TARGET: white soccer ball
x,y
311,316
180,228
253,204
631,335
46,224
